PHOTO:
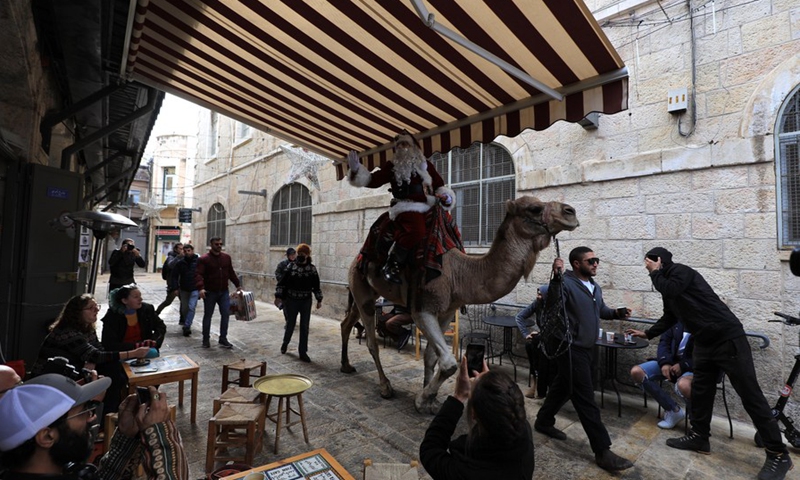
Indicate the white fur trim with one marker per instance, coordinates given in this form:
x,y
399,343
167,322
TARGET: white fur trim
x,y
362,177
403,207
446,191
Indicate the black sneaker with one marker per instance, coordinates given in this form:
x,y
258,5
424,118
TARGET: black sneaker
x,y
612,462
206,344
225,344
181,323
550,431
691,441
283,349
305,358
775,466
403,340
187,331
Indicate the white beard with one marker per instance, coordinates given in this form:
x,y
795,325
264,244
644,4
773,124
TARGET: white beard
x,y
406,161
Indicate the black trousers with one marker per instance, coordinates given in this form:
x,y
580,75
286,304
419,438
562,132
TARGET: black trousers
x,y
735,359
574,382
545,372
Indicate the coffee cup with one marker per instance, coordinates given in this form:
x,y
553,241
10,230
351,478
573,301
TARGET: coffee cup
x,y
609,337
622,312
600,334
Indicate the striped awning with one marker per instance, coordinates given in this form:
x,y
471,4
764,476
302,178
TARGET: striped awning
x,y
340,75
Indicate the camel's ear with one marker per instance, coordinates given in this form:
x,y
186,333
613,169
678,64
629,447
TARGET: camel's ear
x,y
511,207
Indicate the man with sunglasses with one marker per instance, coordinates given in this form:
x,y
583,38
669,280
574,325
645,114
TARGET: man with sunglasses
x,y
720,345
48,430
213,272
583,300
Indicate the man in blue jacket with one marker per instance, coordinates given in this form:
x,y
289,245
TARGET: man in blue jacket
x,y
584,305
674,363
182,283
719,345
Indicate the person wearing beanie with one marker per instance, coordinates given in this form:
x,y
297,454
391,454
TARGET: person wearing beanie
x,y
49,425
293,294
529,319
720,344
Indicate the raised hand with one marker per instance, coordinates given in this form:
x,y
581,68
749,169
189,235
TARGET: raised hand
x,y
352,161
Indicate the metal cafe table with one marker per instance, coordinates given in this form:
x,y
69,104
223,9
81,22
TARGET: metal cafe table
x,y
509,324
609,371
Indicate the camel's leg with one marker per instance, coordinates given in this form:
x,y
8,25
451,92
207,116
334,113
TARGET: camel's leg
x,y
350,319
433,329
367,310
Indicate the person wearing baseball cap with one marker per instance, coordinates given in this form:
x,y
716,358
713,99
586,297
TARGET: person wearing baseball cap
x,y
48,429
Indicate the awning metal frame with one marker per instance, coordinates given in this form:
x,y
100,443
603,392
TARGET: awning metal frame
x,y
430,20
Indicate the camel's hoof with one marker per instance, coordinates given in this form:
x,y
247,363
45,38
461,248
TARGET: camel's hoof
x,y
387,392
450,370
430,406
347,369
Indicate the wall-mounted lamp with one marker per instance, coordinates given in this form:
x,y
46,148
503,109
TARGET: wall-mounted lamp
x,y
260,193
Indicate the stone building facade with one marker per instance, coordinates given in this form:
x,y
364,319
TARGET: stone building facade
x,y
701,183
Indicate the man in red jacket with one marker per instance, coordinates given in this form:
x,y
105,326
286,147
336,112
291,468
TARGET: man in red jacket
x,y
214,269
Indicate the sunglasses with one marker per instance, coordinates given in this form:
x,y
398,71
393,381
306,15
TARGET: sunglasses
x,y
592,261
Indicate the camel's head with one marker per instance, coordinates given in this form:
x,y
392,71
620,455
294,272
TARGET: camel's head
x,y
542,218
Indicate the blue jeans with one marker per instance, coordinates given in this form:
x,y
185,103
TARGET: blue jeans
x,y
222,299
188,306
291,308
652,378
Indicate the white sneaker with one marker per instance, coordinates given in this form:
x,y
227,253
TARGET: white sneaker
x,y
672,418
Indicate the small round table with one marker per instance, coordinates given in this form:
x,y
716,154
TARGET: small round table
x,y
610,370
285,386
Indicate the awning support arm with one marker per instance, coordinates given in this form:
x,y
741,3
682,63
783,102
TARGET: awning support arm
x,y
430,21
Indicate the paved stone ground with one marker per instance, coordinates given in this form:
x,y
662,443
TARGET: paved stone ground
x,y
347,416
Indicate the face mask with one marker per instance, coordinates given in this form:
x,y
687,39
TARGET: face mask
x,y
301,259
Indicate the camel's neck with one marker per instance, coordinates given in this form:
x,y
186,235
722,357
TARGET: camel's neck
x,y
496,273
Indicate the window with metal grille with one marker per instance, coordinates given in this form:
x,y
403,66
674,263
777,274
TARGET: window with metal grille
x,y
291,216
216,222
482,177
787,164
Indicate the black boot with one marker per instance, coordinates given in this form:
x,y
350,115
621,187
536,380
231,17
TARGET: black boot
x,y
397,257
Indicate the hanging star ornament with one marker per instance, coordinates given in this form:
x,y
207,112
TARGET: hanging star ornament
x,y
304,164
151,209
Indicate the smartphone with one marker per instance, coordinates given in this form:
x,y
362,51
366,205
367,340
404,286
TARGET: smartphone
x,y
475,353
653,257
144,395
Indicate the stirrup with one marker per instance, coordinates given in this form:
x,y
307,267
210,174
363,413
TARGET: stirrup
x,y
391,272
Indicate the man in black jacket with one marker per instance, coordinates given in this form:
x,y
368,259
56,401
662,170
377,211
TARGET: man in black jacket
x,y
719,344
121,263
182,283
583,300
173,257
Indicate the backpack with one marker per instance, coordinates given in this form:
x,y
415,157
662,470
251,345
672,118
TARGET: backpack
x,y
166,269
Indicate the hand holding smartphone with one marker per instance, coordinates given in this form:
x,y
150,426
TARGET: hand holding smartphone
x,y
143,393
475,354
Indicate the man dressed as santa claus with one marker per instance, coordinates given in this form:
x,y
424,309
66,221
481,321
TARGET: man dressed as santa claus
x,y
416,186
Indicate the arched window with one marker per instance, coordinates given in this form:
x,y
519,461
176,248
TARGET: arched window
x,y
216,222
291,216
787,164
482,177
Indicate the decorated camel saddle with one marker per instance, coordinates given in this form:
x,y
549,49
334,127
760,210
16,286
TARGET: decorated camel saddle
x,y
441,236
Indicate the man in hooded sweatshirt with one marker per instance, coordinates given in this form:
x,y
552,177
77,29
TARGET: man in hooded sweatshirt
x,y
719,344
583,300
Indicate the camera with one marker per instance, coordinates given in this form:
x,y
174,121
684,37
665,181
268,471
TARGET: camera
x,y
130,246
61,366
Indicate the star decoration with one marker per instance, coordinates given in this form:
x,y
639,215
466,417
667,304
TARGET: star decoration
x,y
151,209
304,164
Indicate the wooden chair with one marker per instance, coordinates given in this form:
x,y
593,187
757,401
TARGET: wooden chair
x,y
452,332
235,427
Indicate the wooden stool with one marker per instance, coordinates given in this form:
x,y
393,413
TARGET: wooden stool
x,y
284,387
235,425
244,368
238,395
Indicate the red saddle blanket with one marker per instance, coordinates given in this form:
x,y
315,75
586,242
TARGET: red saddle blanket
x,y
441,235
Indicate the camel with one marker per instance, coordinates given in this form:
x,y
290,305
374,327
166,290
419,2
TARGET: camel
x,y
528,227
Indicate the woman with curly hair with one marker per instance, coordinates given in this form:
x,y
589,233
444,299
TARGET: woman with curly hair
x,y
73,336
130,322
499,443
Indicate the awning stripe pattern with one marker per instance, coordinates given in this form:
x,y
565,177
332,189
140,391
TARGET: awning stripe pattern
x,y
332,76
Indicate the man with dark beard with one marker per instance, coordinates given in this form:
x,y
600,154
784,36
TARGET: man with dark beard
x,y
48,432
415,186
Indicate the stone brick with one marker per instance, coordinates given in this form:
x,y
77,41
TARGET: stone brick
x,y
618,206
632,227
679,202
760,225
720,178
673,182
765,32
715,226
751,254
725,283
674,226
681,159
759,285
741,200
794,23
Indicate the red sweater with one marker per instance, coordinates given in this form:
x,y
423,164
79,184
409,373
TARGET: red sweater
x,y
214,271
